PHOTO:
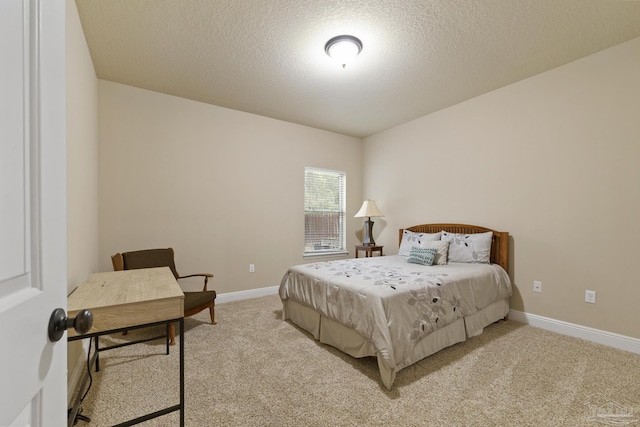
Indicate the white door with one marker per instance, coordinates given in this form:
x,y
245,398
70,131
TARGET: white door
x,y
33,262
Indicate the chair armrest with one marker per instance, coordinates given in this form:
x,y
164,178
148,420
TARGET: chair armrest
x,y
195,275
205,275
118,262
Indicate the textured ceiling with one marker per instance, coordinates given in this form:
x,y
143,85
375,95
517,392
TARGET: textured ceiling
x,y
267,56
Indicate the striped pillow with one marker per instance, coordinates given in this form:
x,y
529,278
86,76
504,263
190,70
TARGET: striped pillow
x,y
424,256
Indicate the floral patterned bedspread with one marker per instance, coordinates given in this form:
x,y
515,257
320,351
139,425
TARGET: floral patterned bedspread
x,y
392,303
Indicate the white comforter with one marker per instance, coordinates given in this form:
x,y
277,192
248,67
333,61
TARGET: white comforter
x,y
392,303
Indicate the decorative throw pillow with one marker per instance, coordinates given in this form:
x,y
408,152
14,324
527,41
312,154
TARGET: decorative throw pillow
x,y
411,239
469,247
422,256
441,248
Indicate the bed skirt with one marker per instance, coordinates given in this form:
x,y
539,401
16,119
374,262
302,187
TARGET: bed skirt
x,y
333,333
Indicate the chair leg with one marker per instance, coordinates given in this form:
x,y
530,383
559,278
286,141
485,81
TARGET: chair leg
x,y
212,313
172,334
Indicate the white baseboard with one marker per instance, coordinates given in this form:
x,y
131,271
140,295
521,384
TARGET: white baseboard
x,y
610,339
240,295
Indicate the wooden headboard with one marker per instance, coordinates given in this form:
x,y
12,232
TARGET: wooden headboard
x,y
499,244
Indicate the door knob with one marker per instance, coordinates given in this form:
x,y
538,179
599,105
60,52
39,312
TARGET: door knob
x,y
59,322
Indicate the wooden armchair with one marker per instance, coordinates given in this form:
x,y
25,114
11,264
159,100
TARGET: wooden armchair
x,y
194,302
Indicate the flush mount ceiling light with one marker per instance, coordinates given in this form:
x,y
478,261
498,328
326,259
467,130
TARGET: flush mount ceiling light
x,y
343,49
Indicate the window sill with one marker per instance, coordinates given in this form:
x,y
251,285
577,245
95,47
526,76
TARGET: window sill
x,y
325,254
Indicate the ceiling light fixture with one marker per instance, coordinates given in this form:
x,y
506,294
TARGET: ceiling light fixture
x,y
343,49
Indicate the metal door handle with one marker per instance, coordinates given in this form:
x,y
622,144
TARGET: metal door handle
x,y
59,322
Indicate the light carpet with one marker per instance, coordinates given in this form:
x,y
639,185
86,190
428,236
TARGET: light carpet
x,y
254,369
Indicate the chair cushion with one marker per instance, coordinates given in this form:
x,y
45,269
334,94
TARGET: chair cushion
x,y
195,299
150,258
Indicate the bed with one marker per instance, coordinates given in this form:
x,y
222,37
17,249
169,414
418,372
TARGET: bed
x,y
399,311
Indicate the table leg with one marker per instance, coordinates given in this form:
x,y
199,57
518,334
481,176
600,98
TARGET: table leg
x,y
181,371
97,353
167,338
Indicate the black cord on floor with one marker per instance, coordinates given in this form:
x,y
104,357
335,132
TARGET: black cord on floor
x,y
88,373
79,416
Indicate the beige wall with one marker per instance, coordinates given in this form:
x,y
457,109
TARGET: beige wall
x,y
550,159
223,188
553,160
82,163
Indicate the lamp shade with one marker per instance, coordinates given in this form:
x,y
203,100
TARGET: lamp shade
x,y
368,209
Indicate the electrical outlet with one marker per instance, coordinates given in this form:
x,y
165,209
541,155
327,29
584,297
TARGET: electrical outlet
x,y
252,268
537,286
590,297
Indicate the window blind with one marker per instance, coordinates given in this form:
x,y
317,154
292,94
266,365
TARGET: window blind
x,y
324,211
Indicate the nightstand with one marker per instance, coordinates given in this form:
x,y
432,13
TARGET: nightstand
x,y
368,250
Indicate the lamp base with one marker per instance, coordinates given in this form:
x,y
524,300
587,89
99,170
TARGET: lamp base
x,y
368,233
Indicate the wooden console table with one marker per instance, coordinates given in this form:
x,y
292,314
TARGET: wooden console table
x,y
129,299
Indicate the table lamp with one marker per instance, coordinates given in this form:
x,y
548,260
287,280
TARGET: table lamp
x,y
368,210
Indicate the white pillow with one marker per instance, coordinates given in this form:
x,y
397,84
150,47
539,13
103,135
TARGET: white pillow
x,y
439,245
469,247
411,239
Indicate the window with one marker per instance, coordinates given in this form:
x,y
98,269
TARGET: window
x,y
324,211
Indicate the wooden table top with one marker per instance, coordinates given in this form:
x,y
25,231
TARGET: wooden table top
x,y
120,299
